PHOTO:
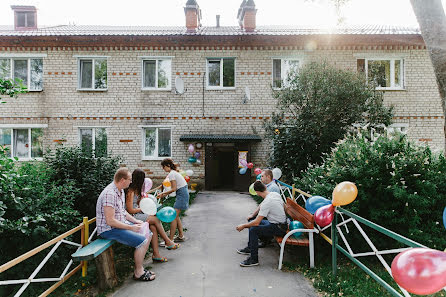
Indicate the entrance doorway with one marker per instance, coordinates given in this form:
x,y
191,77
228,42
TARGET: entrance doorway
x,y
221,166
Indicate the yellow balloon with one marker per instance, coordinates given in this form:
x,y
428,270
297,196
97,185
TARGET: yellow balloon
x,y
183,173
166,184
344,193
251,190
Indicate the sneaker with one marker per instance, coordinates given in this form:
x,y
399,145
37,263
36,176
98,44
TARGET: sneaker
x,y
249,262
162,243
245,251
179,239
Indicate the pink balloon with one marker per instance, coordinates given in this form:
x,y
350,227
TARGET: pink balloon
x,y
249,165
420,271
257,171
147,185
243,162
191,148
324,215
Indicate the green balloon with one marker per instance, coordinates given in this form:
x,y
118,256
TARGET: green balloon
x,y
251,190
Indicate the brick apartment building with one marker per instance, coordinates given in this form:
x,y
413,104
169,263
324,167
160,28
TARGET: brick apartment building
x,y
146,93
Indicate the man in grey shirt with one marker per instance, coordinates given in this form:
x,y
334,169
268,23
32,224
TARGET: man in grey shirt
x,y
272,209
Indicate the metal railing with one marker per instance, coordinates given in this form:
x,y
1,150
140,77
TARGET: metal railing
x,y
57,242
348,251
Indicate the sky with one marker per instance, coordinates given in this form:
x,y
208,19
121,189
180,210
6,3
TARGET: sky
x,y
171,13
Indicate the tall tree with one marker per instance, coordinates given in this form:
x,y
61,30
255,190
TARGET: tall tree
x,y
432,20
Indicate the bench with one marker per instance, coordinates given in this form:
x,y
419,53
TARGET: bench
x,y
101,251
298,213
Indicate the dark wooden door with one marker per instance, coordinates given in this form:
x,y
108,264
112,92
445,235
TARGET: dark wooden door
x,y
242,181
209,174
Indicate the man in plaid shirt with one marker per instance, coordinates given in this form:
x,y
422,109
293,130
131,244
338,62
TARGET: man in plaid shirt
x,y
114,222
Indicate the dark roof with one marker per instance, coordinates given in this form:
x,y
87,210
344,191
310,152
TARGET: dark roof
x,y
221,137
87,30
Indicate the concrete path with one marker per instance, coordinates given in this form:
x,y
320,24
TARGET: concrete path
x,y
207,264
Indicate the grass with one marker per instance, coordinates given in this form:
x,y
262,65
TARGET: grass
x,y
77,286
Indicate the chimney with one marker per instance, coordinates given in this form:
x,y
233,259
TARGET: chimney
x,y
193,15
247,15
25,17
218,20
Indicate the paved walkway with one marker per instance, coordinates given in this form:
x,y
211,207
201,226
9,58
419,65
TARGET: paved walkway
x,y
207,264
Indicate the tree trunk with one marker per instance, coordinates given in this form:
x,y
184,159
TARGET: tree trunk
x,y
106,273
432,20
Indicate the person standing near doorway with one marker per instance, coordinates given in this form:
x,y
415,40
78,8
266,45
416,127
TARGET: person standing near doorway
x,y
178,185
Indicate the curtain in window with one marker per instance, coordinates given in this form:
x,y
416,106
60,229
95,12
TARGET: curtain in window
x,y
149,74
214,73
164,73
277,74
86,74
150,138
21,143
36,74
164,143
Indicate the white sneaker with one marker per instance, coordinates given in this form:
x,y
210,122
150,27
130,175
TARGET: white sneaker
x,y
162,243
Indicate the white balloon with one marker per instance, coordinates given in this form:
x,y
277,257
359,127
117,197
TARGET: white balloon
x,y
148,206
277,173
198,162
189,172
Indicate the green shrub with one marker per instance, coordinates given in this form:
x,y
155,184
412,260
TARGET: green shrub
x,y
317,108
88,174
401,186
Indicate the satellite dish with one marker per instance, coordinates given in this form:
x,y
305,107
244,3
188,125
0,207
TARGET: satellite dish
x,y
179,85
247,95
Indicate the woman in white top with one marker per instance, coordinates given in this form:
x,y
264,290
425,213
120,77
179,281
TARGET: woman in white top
x,y
179,185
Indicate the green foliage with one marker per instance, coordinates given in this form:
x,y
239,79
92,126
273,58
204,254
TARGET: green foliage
x,y
316,108
401,186
11,88
88,174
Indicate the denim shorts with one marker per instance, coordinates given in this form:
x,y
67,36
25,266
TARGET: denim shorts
x,y
126,237
182,200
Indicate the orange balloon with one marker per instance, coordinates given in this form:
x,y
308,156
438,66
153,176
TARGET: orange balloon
x,y
166,184
344,193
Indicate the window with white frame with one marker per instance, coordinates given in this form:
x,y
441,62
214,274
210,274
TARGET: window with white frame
x,y
220,73
22,143
157,142
157,73
401,128
93,140
29,71
92,74
387,74
282,68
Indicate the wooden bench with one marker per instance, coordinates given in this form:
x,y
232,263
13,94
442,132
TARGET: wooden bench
x,y
298,213
101,251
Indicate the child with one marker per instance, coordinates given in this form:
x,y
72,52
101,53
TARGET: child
x,y
179,185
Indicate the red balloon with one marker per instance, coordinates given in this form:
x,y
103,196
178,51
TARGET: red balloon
x,y
324,215
420,271
257,171
249,165
187,178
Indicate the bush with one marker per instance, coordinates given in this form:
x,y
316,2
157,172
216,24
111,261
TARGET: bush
x,y
88,174
33,210
317,108
401,186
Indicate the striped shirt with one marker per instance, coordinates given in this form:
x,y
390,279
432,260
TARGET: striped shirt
x,y
110,196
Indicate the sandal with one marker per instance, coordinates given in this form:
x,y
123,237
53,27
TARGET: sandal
x,y
173,246
146,276
159,260
180,239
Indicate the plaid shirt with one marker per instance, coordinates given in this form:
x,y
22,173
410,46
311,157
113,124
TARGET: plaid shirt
x,y
110,196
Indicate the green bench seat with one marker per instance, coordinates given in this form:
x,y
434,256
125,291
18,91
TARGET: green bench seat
x,y
92,250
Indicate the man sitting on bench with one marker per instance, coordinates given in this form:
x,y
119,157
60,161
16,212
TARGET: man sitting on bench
x,y
272,209
113,222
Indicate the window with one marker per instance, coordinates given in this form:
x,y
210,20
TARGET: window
x,y
93,74
157,142
401,128
221,73
156,74
94,141
22,143
27,70
387,74
282,69
26,19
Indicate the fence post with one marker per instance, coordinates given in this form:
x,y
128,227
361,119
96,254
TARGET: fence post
x,y
334,242
85,234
